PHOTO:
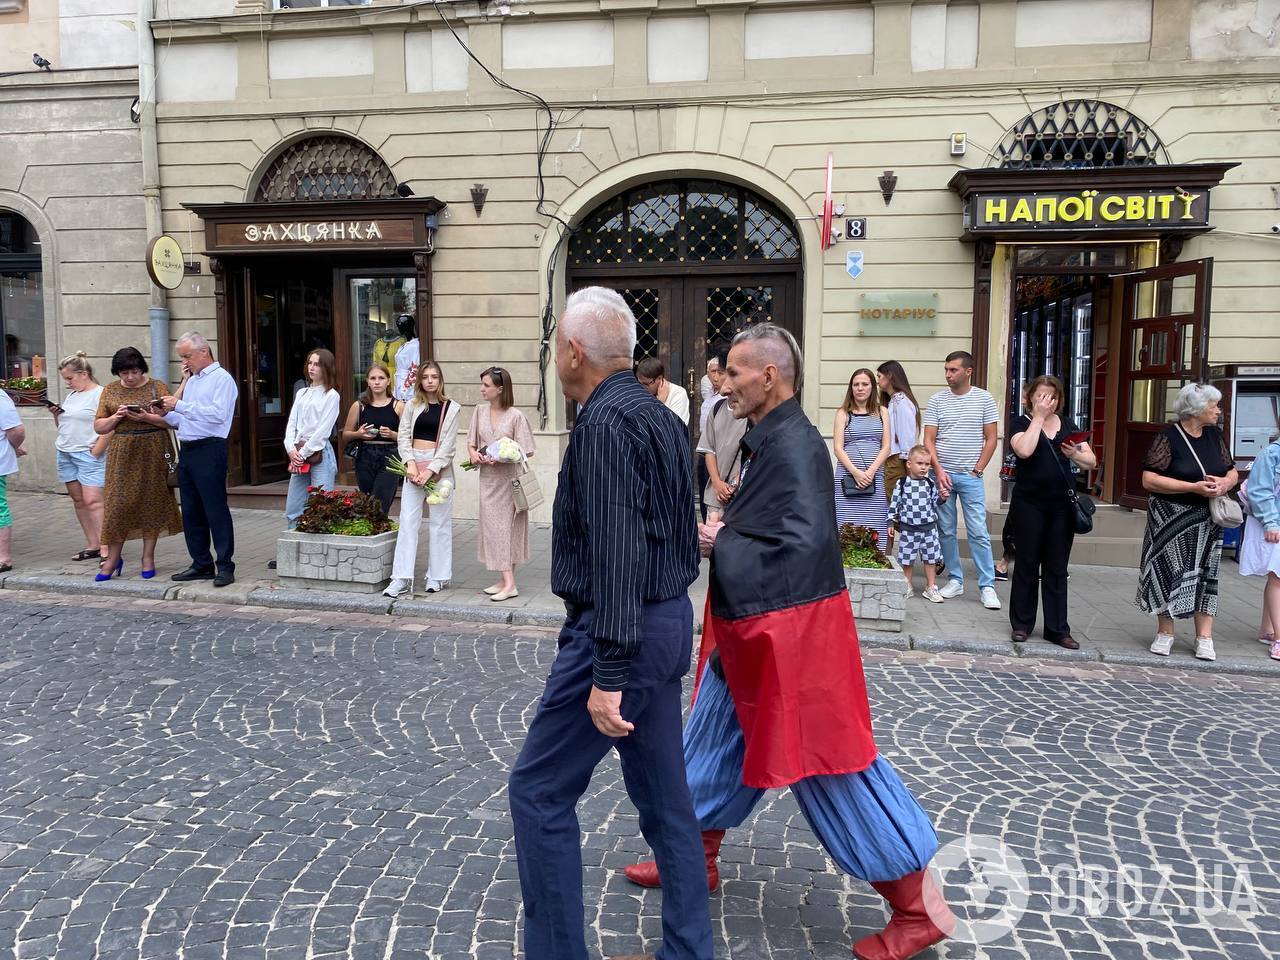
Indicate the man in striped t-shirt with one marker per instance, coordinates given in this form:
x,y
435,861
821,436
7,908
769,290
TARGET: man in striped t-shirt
x,y
960,434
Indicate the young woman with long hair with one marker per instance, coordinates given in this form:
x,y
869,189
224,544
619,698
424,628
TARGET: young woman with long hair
x,y
904,420
504,534
862,439
373,423
426,439
312,462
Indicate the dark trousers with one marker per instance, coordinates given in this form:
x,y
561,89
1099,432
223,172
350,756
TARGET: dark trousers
x,y
202,474
1006,534
704,477
554,769
1044,533
372,475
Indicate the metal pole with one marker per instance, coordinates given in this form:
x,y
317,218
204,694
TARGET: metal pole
x,y
158,314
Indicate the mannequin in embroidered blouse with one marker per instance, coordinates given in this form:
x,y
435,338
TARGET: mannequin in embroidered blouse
x,y
407,357
386,347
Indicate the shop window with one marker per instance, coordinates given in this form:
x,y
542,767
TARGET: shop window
x,y
22,348
1064,255
1074,134
328,167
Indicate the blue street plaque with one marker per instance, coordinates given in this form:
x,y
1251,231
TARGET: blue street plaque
x,y
853,264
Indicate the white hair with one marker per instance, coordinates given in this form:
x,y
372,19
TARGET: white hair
x,y
778,347
1194,399
197,341
600,320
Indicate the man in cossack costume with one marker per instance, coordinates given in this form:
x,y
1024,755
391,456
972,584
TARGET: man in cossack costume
x,y
781,699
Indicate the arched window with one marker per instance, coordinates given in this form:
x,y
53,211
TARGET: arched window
x,y
684,221
22,349
1078,133
326,167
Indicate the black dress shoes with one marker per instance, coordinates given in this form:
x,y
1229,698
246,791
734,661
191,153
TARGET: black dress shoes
x,y
224,579
194,573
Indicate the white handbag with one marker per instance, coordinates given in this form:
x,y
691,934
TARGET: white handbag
x,y
527,490
1224,510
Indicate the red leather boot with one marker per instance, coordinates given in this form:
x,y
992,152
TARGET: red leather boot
x,y
646,874
920,919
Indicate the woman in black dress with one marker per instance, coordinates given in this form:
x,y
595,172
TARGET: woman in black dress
x,y
1041,512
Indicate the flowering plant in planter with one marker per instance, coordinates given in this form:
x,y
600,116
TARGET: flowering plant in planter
x,y
860,547
347,513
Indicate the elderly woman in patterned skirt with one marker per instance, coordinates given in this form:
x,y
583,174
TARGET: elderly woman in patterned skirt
x,y
1187,466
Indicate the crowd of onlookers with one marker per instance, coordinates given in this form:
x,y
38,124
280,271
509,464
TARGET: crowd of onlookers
x,y
900,471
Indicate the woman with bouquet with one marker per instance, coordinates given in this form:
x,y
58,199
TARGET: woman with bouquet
x,y
504,534
427,438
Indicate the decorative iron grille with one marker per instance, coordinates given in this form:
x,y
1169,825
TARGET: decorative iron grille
x,y
327,167
684,221
644,304
1077,134
730,309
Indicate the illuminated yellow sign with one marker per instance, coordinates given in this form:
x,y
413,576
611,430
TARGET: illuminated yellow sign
x,y
1089,208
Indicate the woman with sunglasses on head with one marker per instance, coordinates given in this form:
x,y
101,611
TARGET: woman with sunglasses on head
x,y
373,423
427,437
504,534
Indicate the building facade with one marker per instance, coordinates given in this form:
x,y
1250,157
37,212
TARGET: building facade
x,y
1001,171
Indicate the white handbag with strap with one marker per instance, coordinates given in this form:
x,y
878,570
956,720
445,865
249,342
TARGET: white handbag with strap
x,y
527,491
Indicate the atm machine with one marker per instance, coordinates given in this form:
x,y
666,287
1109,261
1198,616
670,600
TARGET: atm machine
x,y
1250,410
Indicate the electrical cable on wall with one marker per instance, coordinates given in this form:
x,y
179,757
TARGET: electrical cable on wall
x,y
548,320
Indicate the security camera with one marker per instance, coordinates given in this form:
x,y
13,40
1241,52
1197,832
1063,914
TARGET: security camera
x,y
1275,228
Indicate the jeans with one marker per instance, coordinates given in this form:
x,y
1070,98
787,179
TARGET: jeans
x,y
323,474
969,491
554,770
372,475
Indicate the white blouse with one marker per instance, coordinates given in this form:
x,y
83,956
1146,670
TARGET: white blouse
x,y
75,423
315,411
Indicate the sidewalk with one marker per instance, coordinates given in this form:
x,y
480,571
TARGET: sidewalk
x,y
1104,620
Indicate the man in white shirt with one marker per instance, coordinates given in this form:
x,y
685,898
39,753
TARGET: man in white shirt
x,y
653,377
12,434
202,409
960,435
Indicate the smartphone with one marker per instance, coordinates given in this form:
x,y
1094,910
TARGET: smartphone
x,y
133,408
1071,439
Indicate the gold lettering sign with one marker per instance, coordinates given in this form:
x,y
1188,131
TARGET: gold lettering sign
x,y
1071,210
165,265
302,234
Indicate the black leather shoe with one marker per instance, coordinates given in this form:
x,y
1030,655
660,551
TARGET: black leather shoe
x,y
271,564
194,573
224,579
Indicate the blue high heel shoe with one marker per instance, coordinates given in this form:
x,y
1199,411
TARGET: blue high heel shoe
x,y
147,574
99,577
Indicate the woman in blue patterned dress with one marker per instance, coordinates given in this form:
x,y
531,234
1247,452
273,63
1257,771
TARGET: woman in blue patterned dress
x,y
865,441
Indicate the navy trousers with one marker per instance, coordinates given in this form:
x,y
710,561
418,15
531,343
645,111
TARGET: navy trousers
x,y
554,769
202,473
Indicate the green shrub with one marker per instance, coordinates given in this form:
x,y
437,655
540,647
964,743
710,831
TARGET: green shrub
x,y
345,512
860,547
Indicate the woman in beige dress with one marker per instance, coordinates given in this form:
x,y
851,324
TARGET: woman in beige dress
x,y
504,534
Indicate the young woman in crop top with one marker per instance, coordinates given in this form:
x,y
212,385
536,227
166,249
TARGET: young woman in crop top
x,y
373,423
427,437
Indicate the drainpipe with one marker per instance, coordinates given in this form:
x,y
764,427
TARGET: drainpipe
x,y
158,314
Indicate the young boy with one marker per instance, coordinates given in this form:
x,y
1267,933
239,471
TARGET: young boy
x,y
913,516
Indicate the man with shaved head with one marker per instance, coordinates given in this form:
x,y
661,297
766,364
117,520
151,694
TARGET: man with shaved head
x,y
781,699
623,553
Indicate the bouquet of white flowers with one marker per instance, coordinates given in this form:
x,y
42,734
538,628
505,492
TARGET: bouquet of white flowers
x,y
439,491
505,450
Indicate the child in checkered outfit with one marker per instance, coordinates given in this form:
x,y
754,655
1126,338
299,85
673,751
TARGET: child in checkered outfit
x,y
913,516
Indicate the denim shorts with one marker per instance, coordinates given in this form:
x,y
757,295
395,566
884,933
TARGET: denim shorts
x,y
81,465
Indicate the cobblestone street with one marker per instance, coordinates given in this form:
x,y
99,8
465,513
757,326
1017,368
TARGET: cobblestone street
x,y
199,782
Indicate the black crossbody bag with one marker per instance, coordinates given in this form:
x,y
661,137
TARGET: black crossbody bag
x,y
1082,507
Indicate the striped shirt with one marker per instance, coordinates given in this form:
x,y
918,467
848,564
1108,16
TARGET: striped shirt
x,y
960,419
623,530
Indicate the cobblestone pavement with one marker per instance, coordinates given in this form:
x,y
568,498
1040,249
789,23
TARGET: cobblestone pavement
x,y
204,782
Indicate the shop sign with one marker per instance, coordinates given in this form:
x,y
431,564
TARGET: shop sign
x,y
898,313
316,233
1072,210
165,264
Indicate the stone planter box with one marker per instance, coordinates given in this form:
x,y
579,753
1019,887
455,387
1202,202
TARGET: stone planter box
x,y
323,561
879,597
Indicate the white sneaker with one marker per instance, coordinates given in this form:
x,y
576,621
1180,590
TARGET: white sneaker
x,y
952,590
435,586
989,598
933,595
1204,649
1162,644
397,588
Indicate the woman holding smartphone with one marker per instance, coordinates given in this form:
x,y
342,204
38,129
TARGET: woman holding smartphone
x,y
1047,444
312,462
138,503
82,452
373,423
